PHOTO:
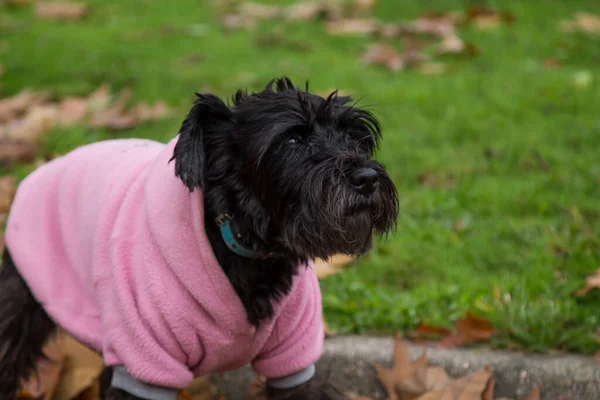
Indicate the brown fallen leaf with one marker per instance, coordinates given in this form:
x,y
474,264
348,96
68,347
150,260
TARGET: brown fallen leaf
x,y
388,56
432,68
42,384
470,387
591,282
72,110
485,18
427,330
406,380
355,26
423,380
257,386
66,11
354,396
260,11
116,118
232,22
8,187
82,367
327,331
14,151
16,2
582,22
551,63
452,44
200,389
37,121
361,7
488,392
429,180
12,107
534,394
305,11
436,24
335,265
470,329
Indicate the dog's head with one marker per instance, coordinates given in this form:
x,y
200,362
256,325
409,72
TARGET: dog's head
x,y
296,167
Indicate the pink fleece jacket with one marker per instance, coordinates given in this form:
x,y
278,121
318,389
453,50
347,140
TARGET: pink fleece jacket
x,y
112,244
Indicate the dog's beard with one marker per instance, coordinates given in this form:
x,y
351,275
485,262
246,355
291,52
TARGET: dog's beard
x,y
331,217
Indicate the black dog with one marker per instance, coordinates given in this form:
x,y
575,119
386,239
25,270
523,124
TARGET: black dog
x,y
294,176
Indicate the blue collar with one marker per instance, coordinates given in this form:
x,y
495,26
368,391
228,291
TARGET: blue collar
x,y
223,221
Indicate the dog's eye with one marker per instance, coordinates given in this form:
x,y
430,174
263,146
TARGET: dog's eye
x,y
295,139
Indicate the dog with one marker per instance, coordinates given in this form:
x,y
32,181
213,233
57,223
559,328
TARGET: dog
x,y
192,257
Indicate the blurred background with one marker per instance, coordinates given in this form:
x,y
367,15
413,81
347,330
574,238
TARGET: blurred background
x,y
491,133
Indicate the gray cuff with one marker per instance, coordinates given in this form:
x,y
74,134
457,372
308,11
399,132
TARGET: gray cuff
x,y
290,381
123,380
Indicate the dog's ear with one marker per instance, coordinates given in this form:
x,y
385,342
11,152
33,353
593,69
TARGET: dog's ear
x,y
207,116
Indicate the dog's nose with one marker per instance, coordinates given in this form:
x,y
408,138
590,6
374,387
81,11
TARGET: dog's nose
x,y
364,180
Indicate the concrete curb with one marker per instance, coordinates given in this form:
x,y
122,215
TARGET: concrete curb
x,y
349,360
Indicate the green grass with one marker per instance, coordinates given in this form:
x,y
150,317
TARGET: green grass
x,y
481,130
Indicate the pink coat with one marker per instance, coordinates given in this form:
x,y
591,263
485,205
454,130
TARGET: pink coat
x,y
112,245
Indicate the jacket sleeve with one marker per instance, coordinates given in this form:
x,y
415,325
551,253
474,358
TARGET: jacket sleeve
x,y
296,341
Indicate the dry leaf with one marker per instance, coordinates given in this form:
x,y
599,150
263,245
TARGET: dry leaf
x,y
66,11
388,56
435,24
362,7
551,63
43,382
257,386
401,367
12,107
236,21
452,44
423,380
488,392
16,2
429,180
432,68
260,11
82,368
14,151
427,330
116,118
357,26
304,11
354,396
591,282
469,387
200,389
484,18
8,187
534,394
38,121
72,110
406,380
336,264
582,22
327,331
470,329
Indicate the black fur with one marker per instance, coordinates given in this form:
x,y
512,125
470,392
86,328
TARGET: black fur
x,y
24,329
291,198
281,162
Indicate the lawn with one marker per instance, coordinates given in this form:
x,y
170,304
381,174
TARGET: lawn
x,y
497,162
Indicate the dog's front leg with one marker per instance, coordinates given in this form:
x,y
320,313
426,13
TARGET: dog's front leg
x,y
114,393
120,385
309,390
297,387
